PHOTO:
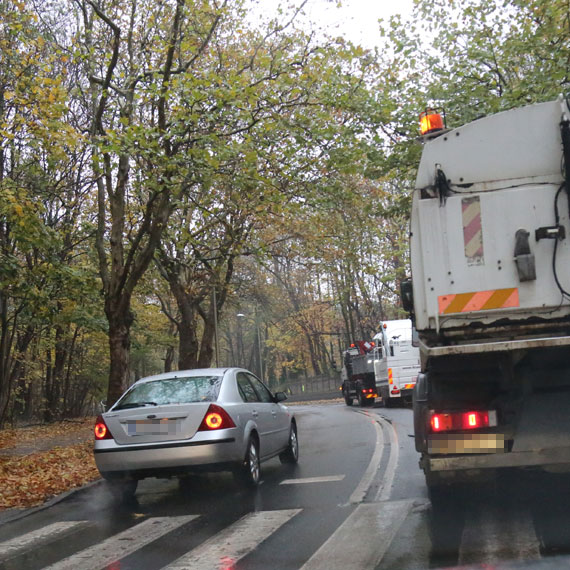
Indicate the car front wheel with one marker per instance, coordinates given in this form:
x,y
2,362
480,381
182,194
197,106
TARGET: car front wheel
x,y
291,454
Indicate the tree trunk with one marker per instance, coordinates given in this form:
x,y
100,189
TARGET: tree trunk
x,y
120,321
169,359
207,344
187,335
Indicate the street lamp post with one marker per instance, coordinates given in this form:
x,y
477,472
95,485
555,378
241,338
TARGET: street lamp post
x,y
259,352
240,351
216,339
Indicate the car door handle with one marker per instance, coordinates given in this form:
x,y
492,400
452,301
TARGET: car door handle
x,y
274,413
255,413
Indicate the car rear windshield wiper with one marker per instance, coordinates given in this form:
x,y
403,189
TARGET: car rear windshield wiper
x,y
136,405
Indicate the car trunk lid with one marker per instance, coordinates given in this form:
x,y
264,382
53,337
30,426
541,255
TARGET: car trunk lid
x,y
155,424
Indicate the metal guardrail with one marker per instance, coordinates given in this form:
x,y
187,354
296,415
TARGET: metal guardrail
x,y
319,384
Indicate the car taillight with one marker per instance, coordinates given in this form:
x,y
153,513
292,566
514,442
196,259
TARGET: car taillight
x,y
462,420
101,429
216,418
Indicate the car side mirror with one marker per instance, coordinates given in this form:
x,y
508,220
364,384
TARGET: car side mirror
x,y
280,396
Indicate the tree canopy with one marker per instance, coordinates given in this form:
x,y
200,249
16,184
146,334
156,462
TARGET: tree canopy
x,y
166,166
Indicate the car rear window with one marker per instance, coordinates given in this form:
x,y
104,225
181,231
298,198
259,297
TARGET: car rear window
x,y
173,391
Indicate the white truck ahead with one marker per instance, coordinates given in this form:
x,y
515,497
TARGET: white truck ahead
x,y
490,259
396,362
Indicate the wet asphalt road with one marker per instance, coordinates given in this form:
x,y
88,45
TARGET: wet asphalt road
x,y
357,499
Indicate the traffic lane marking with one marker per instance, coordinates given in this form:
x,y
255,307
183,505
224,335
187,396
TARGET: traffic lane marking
x,y
385,491
362,488
363,538
324,479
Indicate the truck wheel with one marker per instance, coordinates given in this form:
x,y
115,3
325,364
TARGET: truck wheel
x,y
347,399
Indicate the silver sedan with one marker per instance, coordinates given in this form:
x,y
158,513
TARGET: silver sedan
x,y
180,422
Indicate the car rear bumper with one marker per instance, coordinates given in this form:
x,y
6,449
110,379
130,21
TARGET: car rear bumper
x,y
207,455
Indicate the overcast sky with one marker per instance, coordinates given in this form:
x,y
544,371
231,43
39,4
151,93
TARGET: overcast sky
x,y
357,20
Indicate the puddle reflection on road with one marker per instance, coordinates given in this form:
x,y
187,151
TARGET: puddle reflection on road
x,y
519,516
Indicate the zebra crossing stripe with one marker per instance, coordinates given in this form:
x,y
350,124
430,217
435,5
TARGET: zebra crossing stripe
x,y
122,544
230,545
363,538
38,537
323,479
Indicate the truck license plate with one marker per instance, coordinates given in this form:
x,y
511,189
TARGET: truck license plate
x,y
467,443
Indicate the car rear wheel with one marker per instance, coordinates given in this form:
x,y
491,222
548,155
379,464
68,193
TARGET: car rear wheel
x,y
249,471
291,454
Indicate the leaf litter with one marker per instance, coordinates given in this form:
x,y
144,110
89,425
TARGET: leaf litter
x,y
39,462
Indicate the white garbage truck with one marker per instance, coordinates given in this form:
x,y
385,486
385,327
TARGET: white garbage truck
x,y
490,294
396,362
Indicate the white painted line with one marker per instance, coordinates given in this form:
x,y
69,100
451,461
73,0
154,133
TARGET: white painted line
x,y
324,479
360,492
230,545
498,532
385,490
122,544
363,538
38,537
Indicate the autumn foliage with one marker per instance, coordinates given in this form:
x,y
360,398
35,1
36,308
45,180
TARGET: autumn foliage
x,y
37,463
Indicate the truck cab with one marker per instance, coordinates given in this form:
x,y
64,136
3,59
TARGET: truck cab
x,y
396,362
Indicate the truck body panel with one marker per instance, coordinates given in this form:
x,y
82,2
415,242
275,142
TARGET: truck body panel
x,y
490,257
462,245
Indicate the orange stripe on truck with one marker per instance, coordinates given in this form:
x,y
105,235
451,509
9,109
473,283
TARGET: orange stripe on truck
x,y
478,301
390,376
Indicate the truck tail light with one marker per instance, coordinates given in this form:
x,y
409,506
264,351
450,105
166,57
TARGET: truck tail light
x,y
440,421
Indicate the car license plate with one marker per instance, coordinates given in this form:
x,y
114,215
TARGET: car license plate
x,y
151,427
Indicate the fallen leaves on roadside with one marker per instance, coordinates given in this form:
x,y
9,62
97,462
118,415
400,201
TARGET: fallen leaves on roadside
x,y
30,480
34,435
38,462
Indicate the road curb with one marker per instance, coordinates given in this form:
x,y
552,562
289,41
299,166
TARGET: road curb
x,y
12,515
